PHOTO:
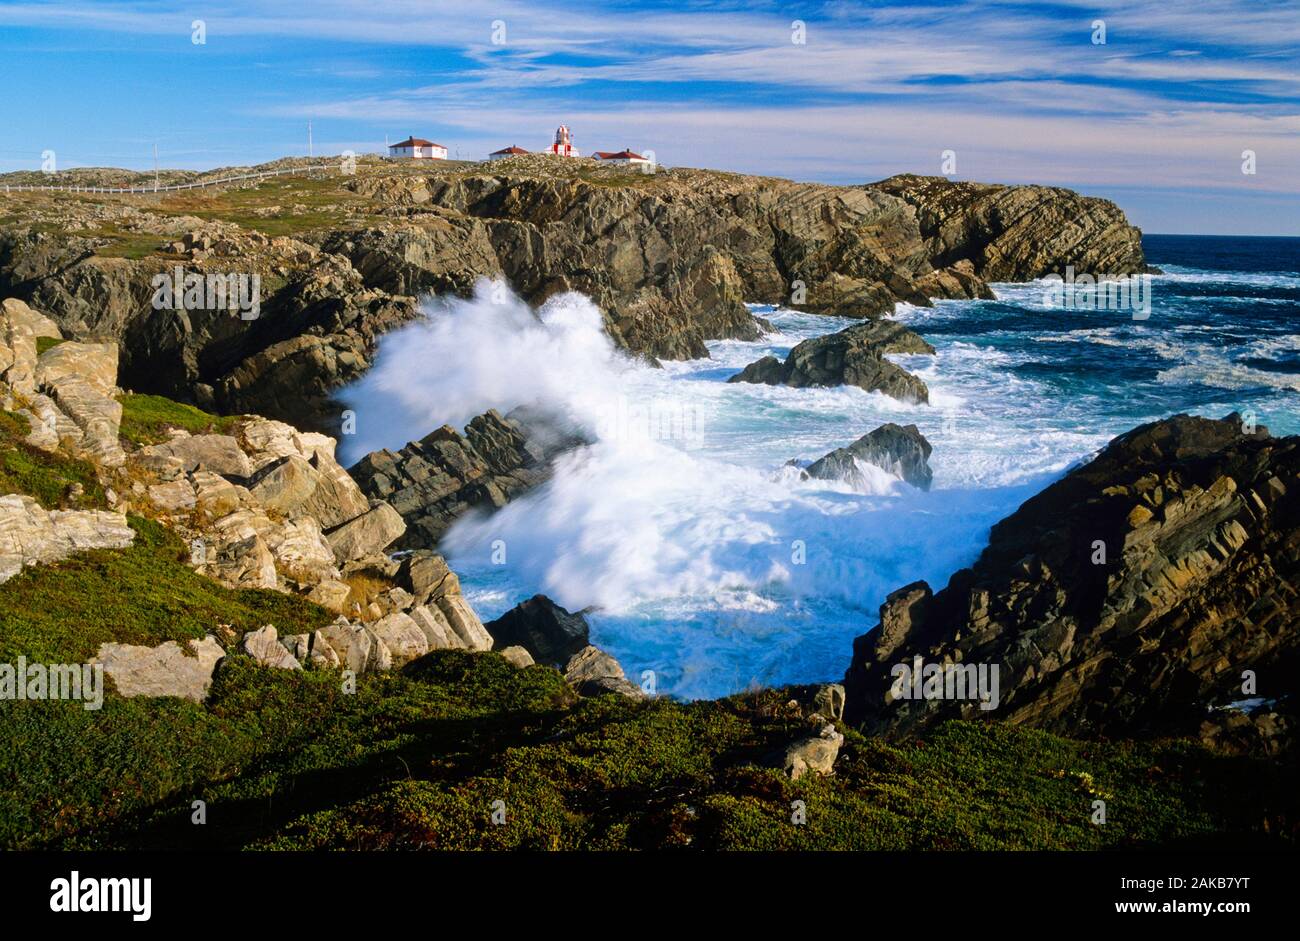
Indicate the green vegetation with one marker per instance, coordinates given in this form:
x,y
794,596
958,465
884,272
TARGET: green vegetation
x,y
146,419
288,760
123,243
277,206
47,343
416,759
144,594
47,477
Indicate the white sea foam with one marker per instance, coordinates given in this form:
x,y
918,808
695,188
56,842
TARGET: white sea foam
x,y
706,558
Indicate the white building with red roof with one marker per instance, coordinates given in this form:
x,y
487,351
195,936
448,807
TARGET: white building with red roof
x,y
511,151
623,156
416,148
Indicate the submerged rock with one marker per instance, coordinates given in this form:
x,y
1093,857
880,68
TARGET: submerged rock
x,y
853,356
901,450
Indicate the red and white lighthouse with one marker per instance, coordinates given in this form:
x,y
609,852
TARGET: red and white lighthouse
x,y
563,145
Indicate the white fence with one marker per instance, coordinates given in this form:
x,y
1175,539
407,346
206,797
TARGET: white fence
x,y
199,184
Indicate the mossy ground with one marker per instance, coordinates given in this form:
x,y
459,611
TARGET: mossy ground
x,y
144,594
417,760
146,419
42,475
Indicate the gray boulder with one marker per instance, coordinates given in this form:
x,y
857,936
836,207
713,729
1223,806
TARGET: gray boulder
x,y
901,450
165,670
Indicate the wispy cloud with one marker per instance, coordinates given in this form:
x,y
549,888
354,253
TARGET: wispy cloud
x,y
1019,89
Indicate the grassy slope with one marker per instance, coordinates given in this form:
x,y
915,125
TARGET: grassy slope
x,y
289,760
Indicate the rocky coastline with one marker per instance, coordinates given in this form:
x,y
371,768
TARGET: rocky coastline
x,y
1133,599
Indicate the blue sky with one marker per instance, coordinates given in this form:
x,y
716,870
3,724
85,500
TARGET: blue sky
x,y
1155,118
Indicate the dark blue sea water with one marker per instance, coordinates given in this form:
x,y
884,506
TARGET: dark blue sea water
x,y
710,564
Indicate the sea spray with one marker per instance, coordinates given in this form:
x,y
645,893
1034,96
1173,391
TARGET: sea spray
x,y
707,559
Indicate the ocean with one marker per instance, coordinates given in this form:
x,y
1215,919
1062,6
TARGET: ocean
x,y
706,565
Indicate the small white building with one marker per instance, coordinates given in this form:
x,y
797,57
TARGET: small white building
x,y
624,156
415,148
511,151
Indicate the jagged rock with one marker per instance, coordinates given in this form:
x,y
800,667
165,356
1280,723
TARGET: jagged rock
x,y
901,450
217,454
828,701
165,670
357,649
436,628
264,646
671,257
48,428
330,593
402,636
1018,233
321,654
816,754
31,535
18,347
958,281
853,356
592,672
464,622
301,552
92,363
217,497
517,656
434,481
18,314
1122,600
292,484
550,634
173,497
372,531
239,556
425,574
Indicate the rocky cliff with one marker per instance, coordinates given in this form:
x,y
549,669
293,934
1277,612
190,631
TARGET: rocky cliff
x,y
670,257
1127,598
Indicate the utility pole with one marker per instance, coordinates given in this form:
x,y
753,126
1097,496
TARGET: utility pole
x,y
155,166
310,152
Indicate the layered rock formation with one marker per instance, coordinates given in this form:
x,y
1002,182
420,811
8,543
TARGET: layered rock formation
x,y
670,257
854,356
1017,233
901,450
433,481
30,535
263,506
1123,599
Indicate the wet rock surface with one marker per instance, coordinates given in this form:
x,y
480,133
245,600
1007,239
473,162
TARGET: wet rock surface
x,y
853,356
1125,599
